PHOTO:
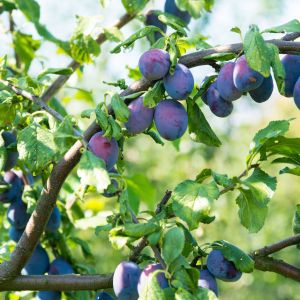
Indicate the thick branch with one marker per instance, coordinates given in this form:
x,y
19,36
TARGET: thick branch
x,y
62,79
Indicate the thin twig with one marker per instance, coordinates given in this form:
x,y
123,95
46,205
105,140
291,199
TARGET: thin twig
x,y
12,31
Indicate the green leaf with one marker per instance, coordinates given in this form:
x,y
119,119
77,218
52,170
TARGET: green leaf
x,y
101,117
141,229
174,22
296,220
92,171
241,260
134,6
186,278
194,7
154,94
36,147
85,248
197,41
224,56
201,294
256,51
56,71
129,42
291,26
173,244
120,108
199,129
191,202
113,34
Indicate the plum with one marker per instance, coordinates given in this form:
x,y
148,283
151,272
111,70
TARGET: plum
x,y
15,234
297,93
140,117
104,296
154,64
225,84
218,106
48,295
180,84
38,263
15,189
54,221
17,214
208,281
152,19
291,64
171,8
125,280
110,191
170,119
60,266
10,142
105,148
161,278
245,79
222,268
264,91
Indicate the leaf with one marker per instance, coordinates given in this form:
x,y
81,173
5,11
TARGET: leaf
x,y
199,129
154,94
197,42
36,147
134,6
113,34
92,172
256,51
83,245
120,108
172,244
194,7
224,56
241,260
201,294
191,202
291,26
141,229
174,22
186,278
56,71
296,220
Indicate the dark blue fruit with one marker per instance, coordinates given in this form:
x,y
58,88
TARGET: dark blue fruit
x,y
15,189
48,295
297,93
125,281
152,19
38,264
17,214
171,8
225,84
291,64
161,278
180,84
60,267
10,143
170,119
15,234
104,296
140,117
154,64
218,106
104,148
208,281
54,221
113,187
245,79
264,91
221,267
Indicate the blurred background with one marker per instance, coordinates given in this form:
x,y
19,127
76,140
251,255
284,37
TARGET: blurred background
x,y
152,169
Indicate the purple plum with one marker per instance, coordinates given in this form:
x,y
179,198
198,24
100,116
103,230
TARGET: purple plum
x,y
152,19
15,189
172,8
54,221
291,64
10,143
297,93
48,295
208,281
60,266
17,214
264,91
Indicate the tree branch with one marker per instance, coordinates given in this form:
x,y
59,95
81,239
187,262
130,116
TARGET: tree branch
x,y
12,30
74,65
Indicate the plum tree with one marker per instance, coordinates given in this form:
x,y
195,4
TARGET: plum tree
x,y
140,117
38,263
161,278
125,280
54,221
218,106
15,234
59,266
154,64
105,148
225,84
264,91
172,8
104,296
17,214
179,84
48,295
208,281
245,79
152,19
222,268
10,141
291,64
15,187
297,93
171,119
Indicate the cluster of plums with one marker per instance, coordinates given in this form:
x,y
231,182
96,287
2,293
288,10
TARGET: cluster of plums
x,y
129,280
